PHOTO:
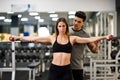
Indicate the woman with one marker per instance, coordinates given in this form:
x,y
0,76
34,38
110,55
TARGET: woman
x,y
62,45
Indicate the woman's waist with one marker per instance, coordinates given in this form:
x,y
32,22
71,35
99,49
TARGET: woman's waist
x,y
60,63
57,66
61,59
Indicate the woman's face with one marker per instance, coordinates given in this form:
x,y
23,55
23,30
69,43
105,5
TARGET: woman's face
x,y
61,27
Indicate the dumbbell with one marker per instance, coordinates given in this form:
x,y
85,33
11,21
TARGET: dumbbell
x,y
17,57
111,37
11,38
114,40
37,58
34,57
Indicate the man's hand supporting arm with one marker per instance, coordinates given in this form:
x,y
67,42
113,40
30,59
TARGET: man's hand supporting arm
x,y
94,47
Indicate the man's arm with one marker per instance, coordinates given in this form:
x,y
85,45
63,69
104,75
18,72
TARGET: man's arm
x,y
94,47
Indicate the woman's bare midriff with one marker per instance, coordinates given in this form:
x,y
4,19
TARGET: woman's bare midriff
x,y
61,58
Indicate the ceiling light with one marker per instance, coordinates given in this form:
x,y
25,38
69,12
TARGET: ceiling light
x,y
33,13
51,12
71,12
37,17
2,17
71,16
41,20
10,12
24,19
19,15
7,20
53,15
54,19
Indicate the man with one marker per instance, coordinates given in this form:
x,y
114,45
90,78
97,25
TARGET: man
x,y
78,49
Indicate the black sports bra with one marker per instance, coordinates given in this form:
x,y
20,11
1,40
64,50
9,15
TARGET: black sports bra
x,y
67,48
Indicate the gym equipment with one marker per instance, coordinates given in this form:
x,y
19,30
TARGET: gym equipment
x,y
104,67
2,55
104,70
12,68
23,55
33,67
114,54
115,42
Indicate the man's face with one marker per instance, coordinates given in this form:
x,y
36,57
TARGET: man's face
x,y
78,23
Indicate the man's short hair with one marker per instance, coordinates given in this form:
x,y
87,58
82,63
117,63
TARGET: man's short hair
x,y
81,14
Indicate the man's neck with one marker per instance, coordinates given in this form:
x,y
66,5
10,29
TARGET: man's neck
x,y
77,29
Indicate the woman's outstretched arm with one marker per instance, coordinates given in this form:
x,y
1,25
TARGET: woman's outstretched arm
x,y
31,39
91,39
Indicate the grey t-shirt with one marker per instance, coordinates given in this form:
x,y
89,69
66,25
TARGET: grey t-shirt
x,y
78,49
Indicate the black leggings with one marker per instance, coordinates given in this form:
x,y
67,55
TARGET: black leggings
x,y
60,72
77,74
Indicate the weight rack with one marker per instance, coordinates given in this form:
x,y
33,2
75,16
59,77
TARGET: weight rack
x,y
13,67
